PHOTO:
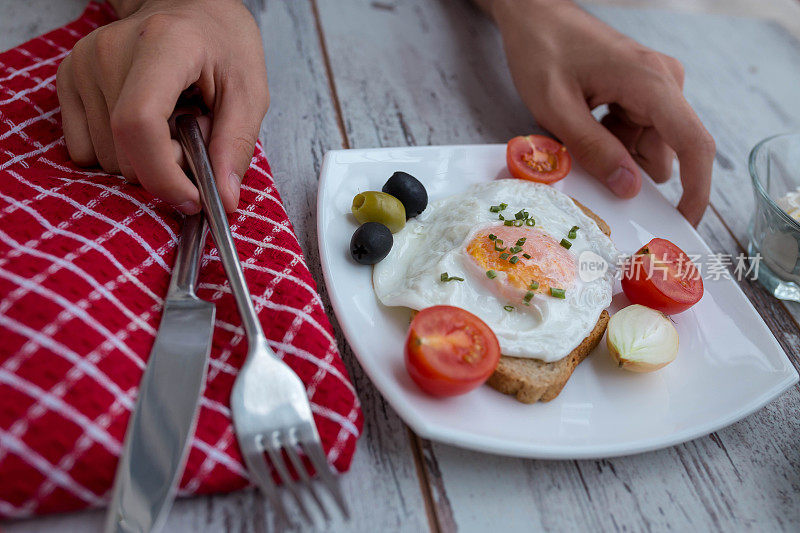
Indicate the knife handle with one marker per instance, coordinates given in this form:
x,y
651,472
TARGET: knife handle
x,y
191,140
187,258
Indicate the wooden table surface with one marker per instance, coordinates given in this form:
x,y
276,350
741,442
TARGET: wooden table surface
x,y
361,73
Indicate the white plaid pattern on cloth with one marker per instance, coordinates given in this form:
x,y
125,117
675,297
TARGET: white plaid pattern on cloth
x,y
84,260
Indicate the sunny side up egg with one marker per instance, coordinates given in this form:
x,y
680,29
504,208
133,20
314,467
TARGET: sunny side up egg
x,y
460,235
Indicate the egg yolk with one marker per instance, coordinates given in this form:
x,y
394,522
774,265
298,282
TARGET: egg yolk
x,y
549,264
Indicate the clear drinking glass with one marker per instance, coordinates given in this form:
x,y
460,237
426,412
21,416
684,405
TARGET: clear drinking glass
x,y
774,235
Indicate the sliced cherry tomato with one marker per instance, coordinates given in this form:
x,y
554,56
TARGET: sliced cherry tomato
x,y
537,158
661,276
450,351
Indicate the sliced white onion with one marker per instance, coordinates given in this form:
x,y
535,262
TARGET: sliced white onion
x,y
641,339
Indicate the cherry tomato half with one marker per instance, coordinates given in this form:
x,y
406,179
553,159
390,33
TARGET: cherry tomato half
x,y
661,276
537,158
450,351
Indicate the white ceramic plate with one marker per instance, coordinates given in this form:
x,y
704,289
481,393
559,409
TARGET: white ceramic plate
x,y
729,363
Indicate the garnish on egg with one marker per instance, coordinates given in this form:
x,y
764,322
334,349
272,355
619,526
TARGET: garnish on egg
x,y
573,232
446,277
558,293
528,296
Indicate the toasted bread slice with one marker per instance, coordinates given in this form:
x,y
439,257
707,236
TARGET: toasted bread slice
x,y
533,380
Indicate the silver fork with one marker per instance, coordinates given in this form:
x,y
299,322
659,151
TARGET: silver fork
x,y
270,408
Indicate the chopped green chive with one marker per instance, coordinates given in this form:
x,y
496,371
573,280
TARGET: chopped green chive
x,y
520,215
501,217
528,296
514,260
503,206
557,293
509,223
517,223
491,274
499,248
515,249
521,241
530,222
495,209
492,236
503,256
566,244
526,256
445,277
508,308
573,232
533,286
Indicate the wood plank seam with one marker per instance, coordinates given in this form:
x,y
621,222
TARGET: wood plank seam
x,y
414,441
424,482
329,74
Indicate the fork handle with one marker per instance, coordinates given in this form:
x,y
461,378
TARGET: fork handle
x,y
191,140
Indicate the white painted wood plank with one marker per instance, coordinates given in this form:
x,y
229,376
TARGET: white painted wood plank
x,y
784,12
382,485
433,74
24,20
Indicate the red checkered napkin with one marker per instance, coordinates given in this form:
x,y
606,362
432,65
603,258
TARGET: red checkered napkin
x,y
85,260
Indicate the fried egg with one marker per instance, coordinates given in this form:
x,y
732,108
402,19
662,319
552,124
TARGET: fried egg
x,y
462,237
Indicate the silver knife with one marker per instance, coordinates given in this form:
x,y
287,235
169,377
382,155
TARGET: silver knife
x,y
165,416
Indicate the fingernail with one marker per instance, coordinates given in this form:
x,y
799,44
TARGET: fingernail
x,y
622,182
188,208
235,182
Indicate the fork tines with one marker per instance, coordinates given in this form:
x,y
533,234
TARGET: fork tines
x,y
275,445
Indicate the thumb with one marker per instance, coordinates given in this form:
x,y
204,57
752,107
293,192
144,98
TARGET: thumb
x,y
237,121
594,147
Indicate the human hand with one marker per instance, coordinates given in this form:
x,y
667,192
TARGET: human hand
x,y
565,62
119,86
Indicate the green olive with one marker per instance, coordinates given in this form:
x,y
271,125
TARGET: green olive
x,y
374,206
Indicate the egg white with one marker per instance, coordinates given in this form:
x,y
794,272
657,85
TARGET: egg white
x,y
435,242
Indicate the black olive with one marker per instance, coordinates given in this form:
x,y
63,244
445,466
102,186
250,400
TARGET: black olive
x,y
371,242
409,191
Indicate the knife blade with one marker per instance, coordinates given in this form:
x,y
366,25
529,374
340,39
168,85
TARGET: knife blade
x,y
165,416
